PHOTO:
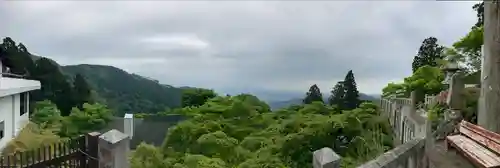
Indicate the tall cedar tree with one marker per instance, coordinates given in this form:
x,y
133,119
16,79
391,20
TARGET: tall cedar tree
x,y
479,8
428,54
314,94
83,92
351,97
337,97
17,58
54,85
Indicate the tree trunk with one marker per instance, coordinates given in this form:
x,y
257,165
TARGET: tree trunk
x,y
490,88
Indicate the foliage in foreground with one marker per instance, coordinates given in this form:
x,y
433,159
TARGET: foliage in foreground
x,y
241,131
31,137
92,117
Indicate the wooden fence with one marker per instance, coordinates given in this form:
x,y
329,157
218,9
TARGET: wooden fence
x,y
75,153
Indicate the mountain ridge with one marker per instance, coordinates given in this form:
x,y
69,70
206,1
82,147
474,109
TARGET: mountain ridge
x,y
297,101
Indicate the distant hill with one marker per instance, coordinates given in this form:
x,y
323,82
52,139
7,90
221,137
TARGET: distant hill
x,y
296,101
125,92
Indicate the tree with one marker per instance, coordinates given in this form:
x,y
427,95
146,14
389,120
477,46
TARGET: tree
x,y
17,58
337,97
83,92
55,86
426,80
351,97
196,96
479,8
429,53
46,114
467,51
314,94
146,155
92,117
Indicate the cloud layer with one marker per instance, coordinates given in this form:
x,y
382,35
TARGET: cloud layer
x,y
244,45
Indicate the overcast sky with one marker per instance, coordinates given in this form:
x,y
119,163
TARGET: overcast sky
x,y
242,45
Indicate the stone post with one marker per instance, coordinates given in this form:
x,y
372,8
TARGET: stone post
x,y
456,99
413,98
114,148
326,158
429,143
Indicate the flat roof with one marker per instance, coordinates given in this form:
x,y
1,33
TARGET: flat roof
x,y
127,115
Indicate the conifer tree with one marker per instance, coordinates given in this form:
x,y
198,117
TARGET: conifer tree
x,y
82,89
428,54
314,94
351,96
55,86
337,97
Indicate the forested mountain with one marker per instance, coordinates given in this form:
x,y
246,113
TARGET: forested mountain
x,y
124,92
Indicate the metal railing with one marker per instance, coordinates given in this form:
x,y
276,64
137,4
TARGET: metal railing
x,y
11,75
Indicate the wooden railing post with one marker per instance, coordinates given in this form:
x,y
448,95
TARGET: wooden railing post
x,y
326,158
92,140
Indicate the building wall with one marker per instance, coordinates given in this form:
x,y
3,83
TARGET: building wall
x,y
20,121
10,115
6,116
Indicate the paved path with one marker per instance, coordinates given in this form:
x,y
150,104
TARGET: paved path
x,y
441,158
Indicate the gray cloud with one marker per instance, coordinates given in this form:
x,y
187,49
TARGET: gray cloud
x,y
239,45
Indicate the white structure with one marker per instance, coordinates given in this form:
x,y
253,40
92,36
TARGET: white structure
x,y
14,105
128,125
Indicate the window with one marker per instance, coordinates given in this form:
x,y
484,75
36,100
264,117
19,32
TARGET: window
x,y
2,127
23,103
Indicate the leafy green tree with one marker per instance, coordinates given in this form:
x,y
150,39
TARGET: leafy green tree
x,y
429,53
92,117
337,96
263,162
426,80
200,161
241,131
46,114
351,97
146,155
314,94
467,51
196,96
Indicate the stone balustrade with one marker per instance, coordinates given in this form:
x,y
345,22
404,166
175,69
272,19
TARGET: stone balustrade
x,y
412,135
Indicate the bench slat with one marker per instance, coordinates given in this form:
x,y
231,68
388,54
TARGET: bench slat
x,y
481,139
481,131
477,153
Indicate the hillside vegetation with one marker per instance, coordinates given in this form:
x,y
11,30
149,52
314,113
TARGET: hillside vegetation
x,y
127,93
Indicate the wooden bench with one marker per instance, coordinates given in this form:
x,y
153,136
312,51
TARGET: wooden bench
x,y
479,145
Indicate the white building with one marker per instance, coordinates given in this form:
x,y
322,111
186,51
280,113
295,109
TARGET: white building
x,y
14,105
